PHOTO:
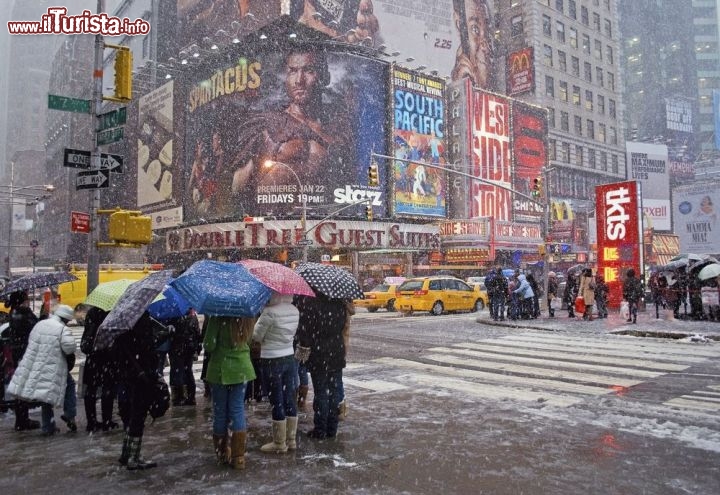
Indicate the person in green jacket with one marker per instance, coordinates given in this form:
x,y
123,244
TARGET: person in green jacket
x,y
229,370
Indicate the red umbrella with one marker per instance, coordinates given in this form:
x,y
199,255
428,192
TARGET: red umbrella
x,y
278,277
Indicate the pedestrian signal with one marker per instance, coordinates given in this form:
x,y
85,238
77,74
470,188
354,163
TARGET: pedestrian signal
x,y
130,227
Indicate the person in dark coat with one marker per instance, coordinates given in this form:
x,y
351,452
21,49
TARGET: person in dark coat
x,y
322,348
22,321
100,373
185,345
571,292
601,296
137,361
552,291
632,292
535,311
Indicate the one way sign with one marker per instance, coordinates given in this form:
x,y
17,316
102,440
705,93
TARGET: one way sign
x,y
113,163
93,179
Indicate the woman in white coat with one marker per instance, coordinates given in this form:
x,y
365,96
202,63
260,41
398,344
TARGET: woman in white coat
x,y
42,373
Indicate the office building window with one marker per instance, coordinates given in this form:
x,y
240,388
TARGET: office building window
x,y
590,129
516,26
565,152
549,86
560,31
609,55
551,117
598,49
579,152
578,125
552,149
591,158
559,5
611,108
573,38
548,55
602,130
613,135
563,90
572,9
608,28
562,61
564,121
547,25
601,104
575,62
611,81
576,95
615,164
599,76
596,21
603,161
586,44
588,71
588,100
584,17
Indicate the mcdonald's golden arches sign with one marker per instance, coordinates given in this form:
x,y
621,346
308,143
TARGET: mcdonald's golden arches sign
x,y
520,71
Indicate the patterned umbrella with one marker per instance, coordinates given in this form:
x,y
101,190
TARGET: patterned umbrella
x,y
218,288
278,277
131,305
37,281
106,295
334,282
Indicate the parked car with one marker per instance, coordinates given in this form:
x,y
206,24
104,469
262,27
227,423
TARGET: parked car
x,y
380,297
438,295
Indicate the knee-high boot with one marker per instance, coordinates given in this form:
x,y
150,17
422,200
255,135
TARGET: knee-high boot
x,y
292,422
136,462
279,433
237,449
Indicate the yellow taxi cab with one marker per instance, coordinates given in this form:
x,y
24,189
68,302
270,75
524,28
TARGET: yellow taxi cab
x,y
382,296
438,295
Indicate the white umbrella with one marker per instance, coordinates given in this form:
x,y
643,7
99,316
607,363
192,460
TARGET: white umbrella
x,y
689,257
710,271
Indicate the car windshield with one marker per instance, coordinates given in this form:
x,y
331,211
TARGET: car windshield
x,y
380,288
411,285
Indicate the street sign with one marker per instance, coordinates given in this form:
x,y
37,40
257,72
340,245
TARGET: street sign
x,y
110,162
76,158
66,104
93,179
304,242
110,136
34,244
79,222
112,119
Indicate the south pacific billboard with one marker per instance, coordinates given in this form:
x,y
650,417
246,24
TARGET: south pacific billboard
x,y
418,136
267,132
618,235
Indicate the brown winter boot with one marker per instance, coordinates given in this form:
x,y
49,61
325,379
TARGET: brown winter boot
x,y
220,442
302,396
292,422
237,449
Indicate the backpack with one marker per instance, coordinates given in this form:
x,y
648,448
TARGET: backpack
x,y
161,399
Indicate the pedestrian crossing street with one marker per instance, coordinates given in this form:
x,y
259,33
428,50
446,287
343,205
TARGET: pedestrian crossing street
x,y
555,369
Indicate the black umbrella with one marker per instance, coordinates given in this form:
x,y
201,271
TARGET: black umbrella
x,y
130,307
334,282
37,281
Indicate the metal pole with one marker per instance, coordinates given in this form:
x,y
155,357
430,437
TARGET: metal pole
x,y
93,271
10,219
303,221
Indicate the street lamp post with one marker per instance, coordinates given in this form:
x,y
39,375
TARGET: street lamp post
x,y
303,196
12,193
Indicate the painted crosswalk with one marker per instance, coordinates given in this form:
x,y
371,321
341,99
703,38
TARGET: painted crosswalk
x,y
544,367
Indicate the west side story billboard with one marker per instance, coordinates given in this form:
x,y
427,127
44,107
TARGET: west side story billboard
x,y
696,217
315,116
419,136
648,164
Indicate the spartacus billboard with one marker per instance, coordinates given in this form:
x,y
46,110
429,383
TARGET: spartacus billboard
x,y
268,131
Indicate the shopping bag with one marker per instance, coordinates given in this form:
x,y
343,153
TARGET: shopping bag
x,y
624,310
81,380
556,303
580,304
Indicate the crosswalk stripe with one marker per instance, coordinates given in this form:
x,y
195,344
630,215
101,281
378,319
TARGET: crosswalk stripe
x,y
374,385
574,354
692,404
620,343
487,375
487,356
535,371
701,398
595,350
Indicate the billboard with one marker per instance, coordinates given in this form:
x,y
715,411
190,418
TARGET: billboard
x,y
419,136
157,165
648,164
269,131
679,115
529,151
452,37
696,217
489,122
618,235
520,66
716,116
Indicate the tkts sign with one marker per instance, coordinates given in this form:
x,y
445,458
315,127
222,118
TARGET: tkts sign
x,y
618,235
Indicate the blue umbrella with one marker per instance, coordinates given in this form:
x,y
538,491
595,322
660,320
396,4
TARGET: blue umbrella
x,y
217,288
172,306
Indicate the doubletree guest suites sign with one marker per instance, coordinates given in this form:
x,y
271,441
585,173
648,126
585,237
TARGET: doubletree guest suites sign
x,y
618,235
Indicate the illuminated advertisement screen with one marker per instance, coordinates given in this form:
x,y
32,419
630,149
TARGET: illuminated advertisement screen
x,y
157,170
419,136
618,235
489,122
520,68
270,131
529,149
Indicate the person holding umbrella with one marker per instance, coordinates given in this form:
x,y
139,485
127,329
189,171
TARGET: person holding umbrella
x,y
274,331
229,370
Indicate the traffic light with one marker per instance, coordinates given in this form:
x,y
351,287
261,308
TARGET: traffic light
x,y
541,249
123,73
373,178
537,187
130,227
369,212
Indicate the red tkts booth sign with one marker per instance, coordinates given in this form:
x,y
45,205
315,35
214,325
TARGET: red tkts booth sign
x,y
618,235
